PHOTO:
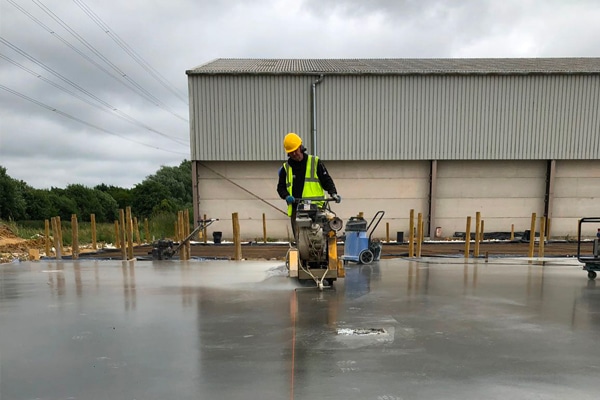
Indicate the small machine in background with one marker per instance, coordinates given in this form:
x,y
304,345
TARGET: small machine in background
x,y
358,247
163,249
591,261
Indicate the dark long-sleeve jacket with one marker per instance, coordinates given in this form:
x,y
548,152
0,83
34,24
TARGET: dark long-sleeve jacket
x,y
299,172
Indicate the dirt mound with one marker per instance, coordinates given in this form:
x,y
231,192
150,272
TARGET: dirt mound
x,y
7,233
22,245
13,247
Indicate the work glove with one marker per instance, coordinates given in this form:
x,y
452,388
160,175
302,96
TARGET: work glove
x,y
290,199
336,197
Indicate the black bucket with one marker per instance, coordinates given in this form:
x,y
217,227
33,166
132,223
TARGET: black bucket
x,y
217,237
400,237
527,236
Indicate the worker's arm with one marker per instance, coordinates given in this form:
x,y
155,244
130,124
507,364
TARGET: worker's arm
x,y
325,179
281,184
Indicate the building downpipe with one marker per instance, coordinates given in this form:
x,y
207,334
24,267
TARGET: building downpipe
x,y
314,114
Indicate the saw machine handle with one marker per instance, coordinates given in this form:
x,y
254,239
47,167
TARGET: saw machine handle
x,y
309,200
202,223
325,199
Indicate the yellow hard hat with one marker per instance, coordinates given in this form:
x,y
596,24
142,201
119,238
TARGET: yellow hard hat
x,y
291,142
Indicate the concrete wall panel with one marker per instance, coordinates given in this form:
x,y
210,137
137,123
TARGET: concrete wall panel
x,y
576,195
499,188
505,193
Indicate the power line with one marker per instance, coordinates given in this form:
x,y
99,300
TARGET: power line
x,y
122,44
75,49
117,112
21,95
76,86
146,94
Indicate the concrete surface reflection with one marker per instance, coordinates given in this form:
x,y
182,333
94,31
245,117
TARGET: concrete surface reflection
x,y
396,329
358,279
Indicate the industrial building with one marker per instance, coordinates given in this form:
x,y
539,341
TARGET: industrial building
x,y
444,137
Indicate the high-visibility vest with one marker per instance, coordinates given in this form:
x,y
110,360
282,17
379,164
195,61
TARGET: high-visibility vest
x,y
312,186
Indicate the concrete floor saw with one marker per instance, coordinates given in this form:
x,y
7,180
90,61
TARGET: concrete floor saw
x,y
315,255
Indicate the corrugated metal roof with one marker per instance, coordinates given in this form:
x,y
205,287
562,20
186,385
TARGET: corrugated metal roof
x,y
400,66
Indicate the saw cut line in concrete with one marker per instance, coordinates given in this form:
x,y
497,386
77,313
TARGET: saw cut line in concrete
x,y
360,332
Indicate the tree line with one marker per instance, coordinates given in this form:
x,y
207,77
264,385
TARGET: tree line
x,y
167,191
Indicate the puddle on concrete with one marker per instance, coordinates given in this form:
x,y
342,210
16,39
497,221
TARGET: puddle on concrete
x,y
360,331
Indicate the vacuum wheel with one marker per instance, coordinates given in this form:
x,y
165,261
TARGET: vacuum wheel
x,y
366,257
592,275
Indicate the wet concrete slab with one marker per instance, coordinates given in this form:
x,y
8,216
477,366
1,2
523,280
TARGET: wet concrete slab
x,y
397,329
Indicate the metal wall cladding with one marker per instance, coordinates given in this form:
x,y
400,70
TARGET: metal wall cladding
x,y
399,117
244,118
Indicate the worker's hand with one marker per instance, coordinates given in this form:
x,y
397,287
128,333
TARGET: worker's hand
x,y
290,199
336,197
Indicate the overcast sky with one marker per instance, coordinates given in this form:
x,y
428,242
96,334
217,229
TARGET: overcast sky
x,y
76,106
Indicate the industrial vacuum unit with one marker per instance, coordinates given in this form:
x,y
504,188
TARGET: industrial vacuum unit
x,y
591,260
315,255
358,246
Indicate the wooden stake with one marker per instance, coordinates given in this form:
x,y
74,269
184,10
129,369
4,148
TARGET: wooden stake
x,y
117,235
532,235
264,228
74,237
122,234
542,236
387,232
129,234
422,239
477,230
179,229
236,236
482,233
411,234
186,224
60,235
419,232
47,237
512,232
136,231
56,236
468,237
93,226
182,235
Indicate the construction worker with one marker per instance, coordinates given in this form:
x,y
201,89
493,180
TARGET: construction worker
x,y
302,175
